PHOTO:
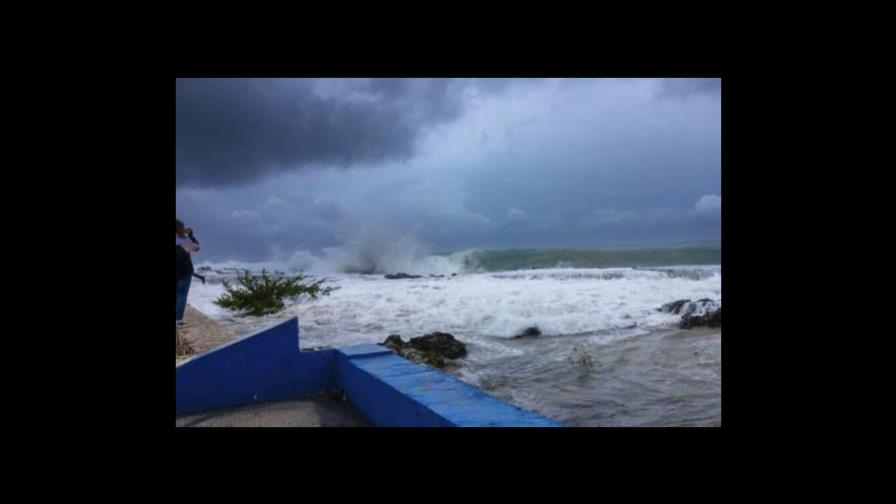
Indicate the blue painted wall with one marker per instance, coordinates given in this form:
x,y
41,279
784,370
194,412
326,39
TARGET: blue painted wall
x,y
264,366
388,390
394,392
381,403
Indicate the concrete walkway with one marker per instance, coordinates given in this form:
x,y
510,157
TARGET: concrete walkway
x,y
204,334
315,411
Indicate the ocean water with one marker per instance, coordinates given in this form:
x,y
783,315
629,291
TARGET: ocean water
x,y
606,357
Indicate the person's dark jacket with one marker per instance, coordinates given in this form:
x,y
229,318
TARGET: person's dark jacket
x,y
183,263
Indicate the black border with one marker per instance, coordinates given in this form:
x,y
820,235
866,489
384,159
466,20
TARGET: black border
x,y
154,112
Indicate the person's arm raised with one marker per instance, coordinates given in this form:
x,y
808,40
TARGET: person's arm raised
x,y
193,239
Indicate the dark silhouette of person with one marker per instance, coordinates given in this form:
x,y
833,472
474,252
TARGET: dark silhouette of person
x,y
186,245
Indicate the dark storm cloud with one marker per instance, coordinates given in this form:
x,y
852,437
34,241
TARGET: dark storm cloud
x,y
490,163
231,131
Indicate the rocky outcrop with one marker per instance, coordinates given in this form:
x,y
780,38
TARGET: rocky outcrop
x,y
674,306
441,343
435,349
710,319
398,276
394,342
530,332
701,313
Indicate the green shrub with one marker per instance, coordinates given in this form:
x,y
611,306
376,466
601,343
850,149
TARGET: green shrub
x,y
264,294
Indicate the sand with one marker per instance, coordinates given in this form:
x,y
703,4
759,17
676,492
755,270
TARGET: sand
x,y
202,333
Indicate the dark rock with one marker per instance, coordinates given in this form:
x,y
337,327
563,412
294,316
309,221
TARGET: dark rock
x,y
699,307
204,268
710,319
530,332
442,344
454,274
700,313
674,306
367,270
429,358
691,321
435,349
394,342
437,276
400,276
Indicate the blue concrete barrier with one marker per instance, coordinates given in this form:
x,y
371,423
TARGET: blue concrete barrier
x,y
386,389
264,366
394,392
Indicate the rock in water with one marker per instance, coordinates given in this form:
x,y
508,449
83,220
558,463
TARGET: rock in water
x,y
394,342
430,358
432,349
440,343
710,319
530,332
703,312
674,306
699,307
401,275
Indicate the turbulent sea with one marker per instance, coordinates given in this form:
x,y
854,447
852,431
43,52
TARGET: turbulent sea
x,y
606,357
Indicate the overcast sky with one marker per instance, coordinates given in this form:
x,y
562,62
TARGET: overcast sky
x,y
267,167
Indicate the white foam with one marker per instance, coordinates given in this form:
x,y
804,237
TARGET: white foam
x,y
476,307
402,257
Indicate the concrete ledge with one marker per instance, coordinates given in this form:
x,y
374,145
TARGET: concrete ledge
x,y
264,366
392,391
364,350
388,390
382,404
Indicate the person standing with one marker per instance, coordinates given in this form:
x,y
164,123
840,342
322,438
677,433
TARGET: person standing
x,y
186,244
